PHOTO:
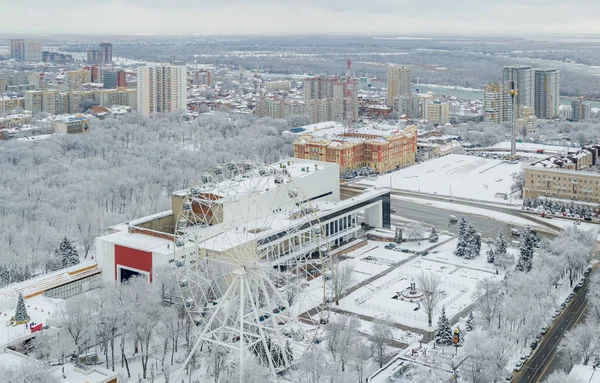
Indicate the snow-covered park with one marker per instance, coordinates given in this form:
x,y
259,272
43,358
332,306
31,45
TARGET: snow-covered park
x,y
455,175
382,298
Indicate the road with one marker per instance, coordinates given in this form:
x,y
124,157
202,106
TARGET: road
x,y
544,361
438,218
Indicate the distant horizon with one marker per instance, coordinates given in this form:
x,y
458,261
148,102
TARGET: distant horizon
x,y
374,36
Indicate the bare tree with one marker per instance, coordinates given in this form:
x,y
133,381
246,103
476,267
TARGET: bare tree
x,y
74,316
431,285
561,377
381,334
342,277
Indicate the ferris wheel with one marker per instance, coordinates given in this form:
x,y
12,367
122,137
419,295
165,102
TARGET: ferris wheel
x,y
250,265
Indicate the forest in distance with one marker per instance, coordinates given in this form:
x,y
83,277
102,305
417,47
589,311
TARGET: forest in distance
x,y
452,61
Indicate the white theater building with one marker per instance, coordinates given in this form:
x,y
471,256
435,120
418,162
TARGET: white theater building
x,y
140,245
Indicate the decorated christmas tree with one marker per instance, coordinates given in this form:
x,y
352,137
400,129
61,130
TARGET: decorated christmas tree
x,y
21,311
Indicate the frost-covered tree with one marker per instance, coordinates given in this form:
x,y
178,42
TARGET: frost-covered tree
x,y
443,332
560,376
67,253
26,373
342,277
486,356
574,247
528,243
472,243
518,179
21,311
431,285
433,236
461,336
470,322
579,344
381,333
462,245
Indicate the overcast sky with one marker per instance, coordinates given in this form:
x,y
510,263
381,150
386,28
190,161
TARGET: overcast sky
x,y
213,17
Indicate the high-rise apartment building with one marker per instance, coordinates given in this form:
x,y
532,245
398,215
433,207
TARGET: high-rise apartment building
x,y
106,53
547,93
25,50
121,79
161,88
581,110
332,93
93,56
497,103
33,101
524,75
398,83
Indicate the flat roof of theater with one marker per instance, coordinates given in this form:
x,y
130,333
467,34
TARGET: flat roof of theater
x,y
226,235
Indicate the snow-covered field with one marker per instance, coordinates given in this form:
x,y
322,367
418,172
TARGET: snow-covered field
x,y
454,175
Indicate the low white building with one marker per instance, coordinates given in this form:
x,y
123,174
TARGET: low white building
x,y
139,246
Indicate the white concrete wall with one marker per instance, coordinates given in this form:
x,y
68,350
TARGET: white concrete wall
x,y
105,256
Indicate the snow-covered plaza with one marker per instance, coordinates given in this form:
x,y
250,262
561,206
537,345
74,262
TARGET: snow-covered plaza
x,y
382,298
454,175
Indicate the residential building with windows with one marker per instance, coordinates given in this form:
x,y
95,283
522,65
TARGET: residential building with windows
x,y
71,124
381,150
106,53
398,83
581,110
524,76
109,79
497,103
547,93
438,112
10,103
33,101
25,50
560,183
161,88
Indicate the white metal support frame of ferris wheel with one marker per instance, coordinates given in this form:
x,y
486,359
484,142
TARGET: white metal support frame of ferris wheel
x,y
249,279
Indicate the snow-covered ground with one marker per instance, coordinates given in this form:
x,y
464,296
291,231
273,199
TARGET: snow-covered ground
x,y
526,146
379,299
39,308
455,175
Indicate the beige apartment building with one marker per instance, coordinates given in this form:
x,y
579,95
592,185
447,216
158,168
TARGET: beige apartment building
x,y
562,183
398,83
438,112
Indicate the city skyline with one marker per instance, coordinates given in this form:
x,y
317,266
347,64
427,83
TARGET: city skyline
x,y
511,18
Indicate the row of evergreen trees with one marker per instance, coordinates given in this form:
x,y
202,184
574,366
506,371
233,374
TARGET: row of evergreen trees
x,y
469,241
556,207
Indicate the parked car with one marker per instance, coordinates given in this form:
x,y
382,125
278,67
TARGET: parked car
x,y
508,379
534,345
544,330
452,218
587,272
588,218
515,232
518,366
